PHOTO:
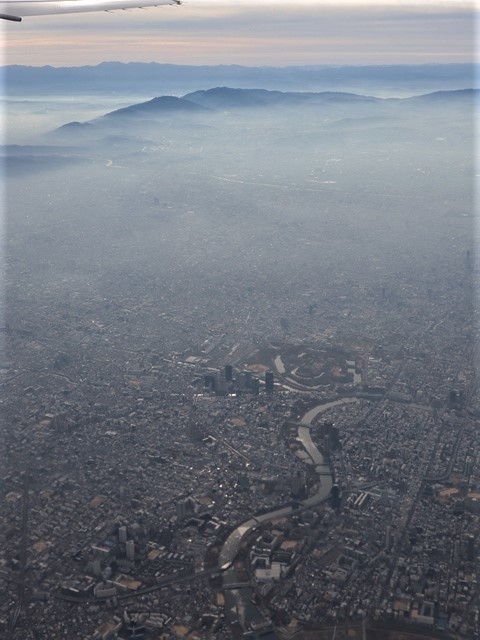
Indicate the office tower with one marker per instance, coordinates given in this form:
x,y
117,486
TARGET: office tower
x,y
471,548
335,498
130,550
269,381
297,485
209,382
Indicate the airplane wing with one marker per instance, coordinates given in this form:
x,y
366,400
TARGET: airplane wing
x,y
16,9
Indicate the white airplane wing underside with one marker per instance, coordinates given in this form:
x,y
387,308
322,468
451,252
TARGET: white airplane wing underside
x,y
17,9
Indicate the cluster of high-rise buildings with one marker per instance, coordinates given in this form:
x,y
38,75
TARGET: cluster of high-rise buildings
x,y
232,381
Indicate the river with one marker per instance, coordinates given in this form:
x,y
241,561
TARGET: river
x,y
239,605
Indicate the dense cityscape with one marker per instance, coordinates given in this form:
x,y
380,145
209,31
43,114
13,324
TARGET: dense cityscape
x,y
173,452
239,385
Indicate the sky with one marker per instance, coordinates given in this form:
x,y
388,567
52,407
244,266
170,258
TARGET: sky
x,y
265,32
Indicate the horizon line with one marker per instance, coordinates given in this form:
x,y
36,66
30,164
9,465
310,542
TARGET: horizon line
x,y
246,66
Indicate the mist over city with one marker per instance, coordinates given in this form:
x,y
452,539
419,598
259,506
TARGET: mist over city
x,y
239,383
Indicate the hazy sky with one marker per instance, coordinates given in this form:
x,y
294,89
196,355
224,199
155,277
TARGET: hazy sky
x,y
265,32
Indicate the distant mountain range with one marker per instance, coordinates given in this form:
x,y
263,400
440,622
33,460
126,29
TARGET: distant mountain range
x,y
158,105
226,98
335,117
221,98
157,79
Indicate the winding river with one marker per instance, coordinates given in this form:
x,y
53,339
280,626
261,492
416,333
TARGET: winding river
x,y
239,596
